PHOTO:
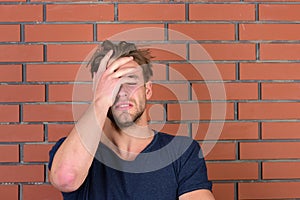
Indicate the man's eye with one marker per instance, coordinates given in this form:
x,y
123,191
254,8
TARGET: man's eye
x,y
131,83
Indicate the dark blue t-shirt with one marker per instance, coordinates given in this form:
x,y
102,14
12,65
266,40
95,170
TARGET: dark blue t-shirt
x,y
167,168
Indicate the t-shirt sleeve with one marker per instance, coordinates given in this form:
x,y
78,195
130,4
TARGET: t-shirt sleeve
x,y
193,173
53,151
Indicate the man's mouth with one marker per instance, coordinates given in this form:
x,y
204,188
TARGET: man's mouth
x,y
123,106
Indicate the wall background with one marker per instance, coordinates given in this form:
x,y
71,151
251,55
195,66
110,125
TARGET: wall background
x,y
255,46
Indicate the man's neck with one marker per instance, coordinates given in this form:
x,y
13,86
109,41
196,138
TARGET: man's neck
x,y
127,142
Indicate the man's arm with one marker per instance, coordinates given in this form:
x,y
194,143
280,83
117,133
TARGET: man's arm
x,y
74,157
197,195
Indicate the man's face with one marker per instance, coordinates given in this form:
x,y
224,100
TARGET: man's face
x,y
130,102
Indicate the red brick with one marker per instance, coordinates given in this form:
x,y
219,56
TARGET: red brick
x,y
58,32
21,173
287,91
172,129
9,113
9,192
69,52
37,192
223,91
57,131
169,92
269,31
13,0
222,52
21,133
269,190
223,12
47,1
57,73
281,170
269,0
159,72
153,12
280,130
225,131
10,73
21,13
201,31
192,111
279,12
53,112
223,190
269,150
167,51
203,71
77,92
269,71
10,33
36,152
279,51
155,112
21,53
209,1
9,153
269,110
22,93
88,12
219,150
129,32
229,171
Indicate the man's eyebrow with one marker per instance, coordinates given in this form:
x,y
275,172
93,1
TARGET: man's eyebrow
x,y
133,76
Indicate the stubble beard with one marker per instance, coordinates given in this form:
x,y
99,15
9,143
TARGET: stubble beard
x,y
131,119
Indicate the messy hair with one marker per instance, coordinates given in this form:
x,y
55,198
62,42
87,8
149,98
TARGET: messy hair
x,y
123,49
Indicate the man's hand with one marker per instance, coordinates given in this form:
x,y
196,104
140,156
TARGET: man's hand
x,y
109,78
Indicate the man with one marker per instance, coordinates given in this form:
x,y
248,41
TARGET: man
x,y
111,153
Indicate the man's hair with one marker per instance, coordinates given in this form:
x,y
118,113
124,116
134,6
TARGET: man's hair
x,y
123,49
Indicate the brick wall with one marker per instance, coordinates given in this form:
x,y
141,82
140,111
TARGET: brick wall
x,y
252,148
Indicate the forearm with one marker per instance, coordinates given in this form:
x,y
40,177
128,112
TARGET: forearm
x,y
197,195
73,159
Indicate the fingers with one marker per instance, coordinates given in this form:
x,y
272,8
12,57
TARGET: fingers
x,y
103,63
118,63
101,69
122,81
126,71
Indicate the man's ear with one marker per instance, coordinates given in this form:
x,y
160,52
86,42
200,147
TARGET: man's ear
x,y
148,87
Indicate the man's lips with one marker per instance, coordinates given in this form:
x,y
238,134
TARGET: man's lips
x,y
123,105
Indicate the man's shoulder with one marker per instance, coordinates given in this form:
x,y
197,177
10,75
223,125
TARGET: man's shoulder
x,y
166,137
175,142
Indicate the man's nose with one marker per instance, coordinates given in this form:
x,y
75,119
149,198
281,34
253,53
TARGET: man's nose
x,y
123,92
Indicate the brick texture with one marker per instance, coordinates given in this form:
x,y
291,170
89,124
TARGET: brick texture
x,y
269,31
226,73
88,12
10,73
10,33
130,32
9,192
22,173
147,12
202,31
223,52
22,93
20,53
222,12
59,33
279,12
21,13
269,190
35,192
21,133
